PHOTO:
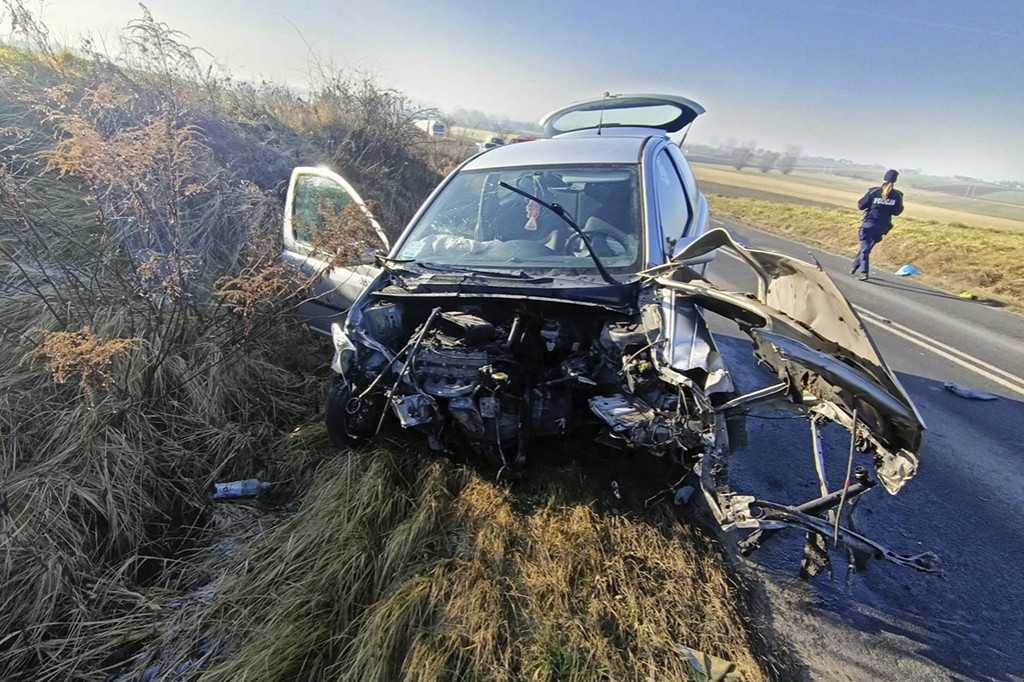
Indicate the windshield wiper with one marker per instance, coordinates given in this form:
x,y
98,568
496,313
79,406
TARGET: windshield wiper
x,y
561,213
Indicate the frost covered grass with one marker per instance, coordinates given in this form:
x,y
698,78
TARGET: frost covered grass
x,y
148,342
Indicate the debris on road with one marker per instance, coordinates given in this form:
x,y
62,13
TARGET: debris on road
x,y
968,296
907,270
969,393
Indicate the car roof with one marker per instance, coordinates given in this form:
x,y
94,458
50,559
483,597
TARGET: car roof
x,y
564,150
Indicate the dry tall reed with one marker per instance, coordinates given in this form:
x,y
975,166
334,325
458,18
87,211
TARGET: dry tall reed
x,y
148,344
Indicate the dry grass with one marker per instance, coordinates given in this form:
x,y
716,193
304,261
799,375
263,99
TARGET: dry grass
x,y
147,345
399,566
986,262
81,355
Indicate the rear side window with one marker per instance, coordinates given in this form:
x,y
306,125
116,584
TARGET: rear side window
x,y
673,207
689,181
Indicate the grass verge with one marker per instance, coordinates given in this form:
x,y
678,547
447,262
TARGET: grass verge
x,y
401,566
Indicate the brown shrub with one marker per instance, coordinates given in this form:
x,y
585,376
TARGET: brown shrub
x,y
128,385
80,354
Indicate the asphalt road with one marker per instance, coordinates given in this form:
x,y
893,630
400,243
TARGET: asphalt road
x,y
966,503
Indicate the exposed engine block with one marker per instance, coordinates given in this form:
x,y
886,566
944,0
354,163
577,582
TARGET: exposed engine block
x,y
496,379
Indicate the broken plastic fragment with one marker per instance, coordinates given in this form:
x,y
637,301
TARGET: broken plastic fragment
x,y
707,667
968,393
616,498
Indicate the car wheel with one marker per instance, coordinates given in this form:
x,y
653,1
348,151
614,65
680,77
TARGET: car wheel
x,y
338,395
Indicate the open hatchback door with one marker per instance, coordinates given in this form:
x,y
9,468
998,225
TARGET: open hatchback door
x,y
319,203
669,113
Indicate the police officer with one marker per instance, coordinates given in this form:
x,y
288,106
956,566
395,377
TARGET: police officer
x,y
880,204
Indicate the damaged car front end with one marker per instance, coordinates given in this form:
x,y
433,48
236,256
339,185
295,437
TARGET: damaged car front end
x,y
829,370
553,294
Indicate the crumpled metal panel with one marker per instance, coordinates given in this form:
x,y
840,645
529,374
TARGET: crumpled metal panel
x,y
806,330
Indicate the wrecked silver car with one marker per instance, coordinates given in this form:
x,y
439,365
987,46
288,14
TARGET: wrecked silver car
x,y
553,291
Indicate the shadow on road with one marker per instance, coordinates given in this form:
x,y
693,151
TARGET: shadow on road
x,y
909,286
927,291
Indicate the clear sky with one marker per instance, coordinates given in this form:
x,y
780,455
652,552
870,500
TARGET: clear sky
x,y
930,84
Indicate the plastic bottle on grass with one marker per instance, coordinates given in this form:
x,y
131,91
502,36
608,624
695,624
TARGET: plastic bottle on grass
x,y
249,487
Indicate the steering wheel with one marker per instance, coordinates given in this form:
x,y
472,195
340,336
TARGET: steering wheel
x,y
606,240
519,248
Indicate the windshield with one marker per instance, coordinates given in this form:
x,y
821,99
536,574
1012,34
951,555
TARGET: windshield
x,y
475,222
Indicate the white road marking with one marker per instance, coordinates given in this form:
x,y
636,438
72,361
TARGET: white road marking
x,y
990,372
980,367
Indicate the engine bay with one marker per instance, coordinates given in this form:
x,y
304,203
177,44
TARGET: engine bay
x,y
498,374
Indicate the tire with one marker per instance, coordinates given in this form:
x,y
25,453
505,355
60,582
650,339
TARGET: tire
x,y
338,394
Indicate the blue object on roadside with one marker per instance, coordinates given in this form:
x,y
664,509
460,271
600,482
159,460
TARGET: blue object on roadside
x,y
907,270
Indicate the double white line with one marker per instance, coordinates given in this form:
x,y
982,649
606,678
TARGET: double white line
x,y
954,355
990,372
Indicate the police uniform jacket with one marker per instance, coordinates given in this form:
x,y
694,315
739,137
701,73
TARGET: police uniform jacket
x,y
879,211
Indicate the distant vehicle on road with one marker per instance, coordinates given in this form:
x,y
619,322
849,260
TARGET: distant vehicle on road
x,y
432,127
491,143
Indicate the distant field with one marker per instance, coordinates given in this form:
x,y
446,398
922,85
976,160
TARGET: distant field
x,y
471,133
984,261
841,192
927,182
1009,197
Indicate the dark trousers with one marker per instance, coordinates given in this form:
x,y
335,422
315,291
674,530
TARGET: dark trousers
x,y
868,239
